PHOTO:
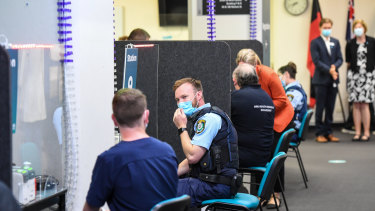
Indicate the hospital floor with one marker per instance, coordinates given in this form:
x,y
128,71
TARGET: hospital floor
x,y
341,175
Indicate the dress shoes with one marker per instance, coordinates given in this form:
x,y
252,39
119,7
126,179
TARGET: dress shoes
x,y
332,138
321,139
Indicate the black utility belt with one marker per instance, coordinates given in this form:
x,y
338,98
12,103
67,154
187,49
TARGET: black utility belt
x,y
216,179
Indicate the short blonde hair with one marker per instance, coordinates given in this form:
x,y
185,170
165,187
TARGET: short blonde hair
x,y
357,21
197,84
248,56
325,20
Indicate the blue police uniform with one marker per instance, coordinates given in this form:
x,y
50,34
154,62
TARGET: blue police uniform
x,y
211,130
298,98
206,128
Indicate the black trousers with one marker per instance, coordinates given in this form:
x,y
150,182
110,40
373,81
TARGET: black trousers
x,y
325,97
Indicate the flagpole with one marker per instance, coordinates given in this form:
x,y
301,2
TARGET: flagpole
x,y
342,106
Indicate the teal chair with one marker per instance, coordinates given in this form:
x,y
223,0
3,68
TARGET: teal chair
x,y
282,146
244,201
302,132
181,203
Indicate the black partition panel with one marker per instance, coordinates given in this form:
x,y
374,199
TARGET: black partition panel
x,y
5,119
147,75
237,45
210,62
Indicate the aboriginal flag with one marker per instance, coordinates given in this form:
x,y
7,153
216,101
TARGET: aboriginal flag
x,y
316,17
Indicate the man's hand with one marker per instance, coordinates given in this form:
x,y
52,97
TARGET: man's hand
x,y
179,118
333,72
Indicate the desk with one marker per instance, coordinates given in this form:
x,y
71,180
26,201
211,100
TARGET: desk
x,y
47,201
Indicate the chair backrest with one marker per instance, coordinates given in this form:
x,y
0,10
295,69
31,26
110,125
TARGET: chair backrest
x,y
283,143
181,203
270,175
305,125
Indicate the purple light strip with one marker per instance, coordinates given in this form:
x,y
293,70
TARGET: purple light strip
x,y
64,18
253,19
63,10
68,53
211,20
65,32
63,3
64,24
64,40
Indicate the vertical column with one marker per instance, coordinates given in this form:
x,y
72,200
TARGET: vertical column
x,y
266,32
5,120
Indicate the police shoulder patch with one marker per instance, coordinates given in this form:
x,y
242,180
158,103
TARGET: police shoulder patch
x,y
290,96
200,126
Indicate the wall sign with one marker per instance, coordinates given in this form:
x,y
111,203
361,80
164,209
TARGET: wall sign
x,y
130,68
13,56
229,7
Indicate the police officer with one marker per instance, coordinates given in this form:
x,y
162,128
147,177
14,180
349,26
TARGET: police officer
x,y
294,92
210,146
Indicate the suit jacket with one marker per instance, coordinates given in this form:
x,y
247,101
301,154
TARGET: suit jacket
x,y
351,54
323,61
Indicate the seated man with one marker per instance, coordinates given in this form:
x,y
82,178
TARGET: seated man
x,y
212,152
138,172
253,115
295,93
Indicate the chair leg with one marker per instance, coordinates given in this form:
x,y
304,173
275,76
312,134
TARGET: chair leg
x,y
274,199
282,194
301,166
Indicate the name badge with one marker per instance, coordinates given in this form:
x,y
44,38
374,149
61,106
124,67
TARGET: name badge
x,y
332,44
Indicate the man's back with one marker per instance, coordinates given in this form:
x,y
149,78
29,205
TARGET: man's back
x,y
134,175
253,117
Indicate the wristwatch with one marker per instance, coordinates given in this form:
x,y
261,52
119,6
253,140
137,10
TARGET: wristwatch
x,y
180,130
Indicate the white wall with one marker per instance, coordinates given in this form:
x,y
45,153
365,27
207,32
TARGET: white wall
x,y
145,14
289,37
32,21
93,62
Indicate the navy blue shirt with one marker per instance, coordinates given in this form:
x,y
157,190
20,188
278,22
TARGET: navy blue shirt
x,y
253,114
134,175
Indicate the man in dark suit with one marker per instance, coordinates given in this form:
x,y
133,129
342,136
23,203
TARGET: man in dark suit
x,y
327,58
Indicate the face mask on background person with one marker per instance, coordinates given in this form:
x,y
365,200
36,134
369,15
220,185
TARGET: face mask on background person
x,y
358,32
187,106
327,32
282,82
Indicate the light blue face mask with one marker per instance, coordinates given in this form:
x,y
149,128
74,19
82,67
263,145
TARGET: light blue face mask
x,y
187,106
327,32
282,82
358,32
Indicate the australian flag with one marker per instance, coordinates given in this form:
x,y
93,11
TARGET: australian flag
x,y
349,25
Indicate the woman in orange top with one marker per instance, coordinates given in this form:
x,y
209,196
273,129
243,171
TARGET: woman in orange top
x,y
284,112
270,82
